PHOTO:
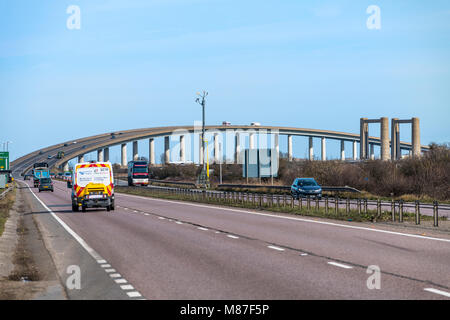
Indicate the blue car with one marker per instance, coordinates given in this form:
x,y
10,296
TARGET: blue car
x,y
306,187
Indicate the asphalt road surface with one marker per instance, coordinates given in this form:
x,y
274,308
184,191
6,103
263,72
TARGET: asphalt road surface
x,y
160,249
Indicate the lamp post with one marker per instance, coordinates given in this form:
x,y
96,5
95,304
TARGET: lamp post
x,y
201,99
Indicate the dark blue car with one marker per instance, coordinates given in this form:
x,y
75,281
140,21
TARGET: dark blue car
x,y
306,187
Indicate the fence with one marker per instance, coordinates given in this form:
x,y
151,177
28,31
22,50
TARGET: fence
x,y
373,210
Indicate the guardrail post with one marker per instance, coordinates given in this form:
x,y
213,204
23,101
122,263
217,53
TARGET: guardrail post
x,y
292,202
435,214
308,203
400,211
393,210
378,207
317,204
336,204
358,204
284,200
365,206
417,212
300,203
326,204
347,205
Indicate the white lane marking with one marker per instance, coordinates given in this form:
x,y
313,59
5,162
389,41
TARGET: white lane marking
x,y
340,265
185,203
303,254
443,293
232,237
146,214
110,270
179,222
125,208
80,240
162,218
275,248
134,294
135,211
200,228
127,287
105,266
115,275
217,232
120,281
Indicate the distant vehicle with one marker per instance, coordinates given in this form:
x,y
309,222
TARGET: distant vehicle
x,y
40,173
138,173
92,186
52,174
255,124
59,174
226,123
40,152
306,187
83,147
60,155
65,144
74,142
67,175
45,184
49,156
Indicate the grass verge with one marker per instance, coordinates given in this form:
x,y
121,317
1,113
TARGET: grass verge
x,y
312,210
5,205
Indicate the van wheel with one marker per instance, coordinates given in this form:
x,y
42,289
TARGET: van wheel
x,y
74,208
108,208
83,208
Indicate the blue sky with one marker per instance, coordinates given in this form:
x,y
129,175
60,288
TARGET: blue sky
x,y
138,63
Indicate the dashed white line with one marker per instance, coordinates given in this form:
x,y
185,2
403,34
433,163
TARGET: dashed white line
x,y
232,237
162,218
442,293
127,287
120,281
200,228
275,248
179,222
105,266
110,270
101,261
134,294
115,275
303,254
340,265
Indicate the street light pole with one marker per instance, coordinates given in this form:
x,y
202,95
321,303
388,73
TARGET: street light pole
x,y
202,101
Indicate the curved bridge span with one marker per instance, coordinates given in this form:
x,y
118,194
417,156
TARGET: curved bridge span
x,y
101,143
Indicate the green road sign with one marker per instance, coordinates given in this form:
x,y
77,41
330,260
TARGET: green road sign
x,y
4,160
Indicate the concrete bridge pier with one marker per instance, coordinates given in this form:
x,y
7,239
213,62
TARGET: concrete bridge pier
x,y
355,150
65,166
372,152
182,150
100,155
166,149
415,137
276,144
237,152
251,140
151,150
135,150
106,154
123,149
342,150
311,149
81,158
324,149
216,148
290,147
